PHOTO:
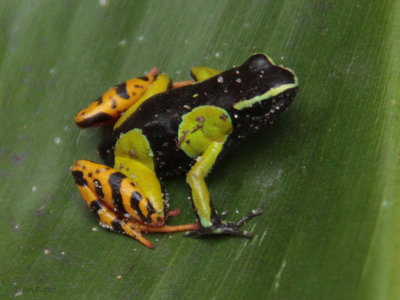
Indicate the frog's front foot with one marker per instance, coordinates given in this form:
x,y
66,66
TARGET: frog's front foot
x,y
226,227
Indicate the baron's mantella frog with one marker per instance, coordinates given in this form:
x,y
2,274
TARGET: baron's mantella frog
x,y
162,129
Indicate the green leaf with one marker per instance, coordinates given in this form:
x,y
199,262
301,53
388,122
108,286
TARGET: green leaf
x,y
326,174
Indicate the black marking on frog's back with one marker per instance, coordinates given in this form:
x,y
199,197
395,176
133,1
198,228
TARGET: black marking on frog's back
x,y
159,117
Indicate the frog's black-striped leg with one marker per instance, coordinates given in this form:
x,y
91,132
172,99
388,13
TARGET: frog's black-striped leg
x,y
109,107
107,217
120,204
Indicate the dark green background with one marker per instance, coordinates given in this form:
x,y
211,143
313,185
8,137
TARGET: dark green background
x,y
326,174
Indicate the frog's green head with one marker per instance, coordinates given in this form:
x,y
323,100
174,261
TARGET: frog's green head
x,y
271,87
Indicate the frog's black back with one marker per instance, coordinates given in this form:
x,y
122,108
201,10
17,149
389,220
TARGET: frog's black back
x,y
159,117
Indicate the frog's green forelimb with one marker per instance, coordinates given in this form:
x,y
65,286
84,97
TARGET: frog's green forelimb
x,y
196,180
202,135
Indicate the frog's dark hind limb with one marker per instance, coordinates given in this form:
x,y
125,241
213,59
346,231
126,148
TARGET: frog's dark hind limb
x,y
227,228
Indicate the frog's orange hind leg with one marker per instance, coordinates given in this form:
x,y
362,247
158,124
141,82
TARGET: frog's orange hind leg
x,y
107,217
120,204
108,108
164,228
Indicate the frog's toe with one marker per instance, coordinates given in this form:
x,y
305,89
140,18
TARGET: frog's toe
x,y
254,213
244,220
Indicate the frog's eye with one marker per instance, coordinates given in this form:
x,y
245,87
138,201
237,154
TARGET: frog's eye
x,y
258,62
280,76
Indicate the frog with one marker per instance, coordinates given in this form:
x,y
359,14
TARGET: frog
x,y
163,128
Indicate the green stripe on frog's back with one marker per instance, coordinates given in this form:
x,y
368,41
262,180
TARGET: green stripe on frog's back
x,y
201,126
273,92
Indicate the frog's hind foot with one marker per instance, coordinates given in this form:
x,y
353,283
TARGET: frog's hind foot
x,y
226,227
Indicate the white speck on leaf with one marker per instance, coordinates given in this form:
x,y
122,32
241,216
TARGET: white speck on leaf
x,y
34,188
57,140
277,277
262,237
18,293
122,43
